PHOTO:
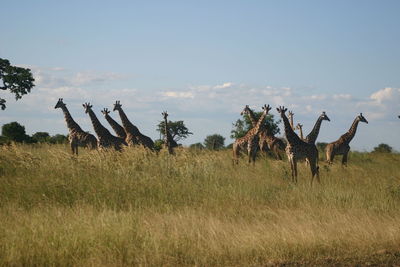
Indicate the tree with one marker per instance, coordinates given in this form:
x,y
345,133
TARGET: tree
x,y
214,142
16,79
14,131
41,137
158,144
58,139
177,129
383,148
243,125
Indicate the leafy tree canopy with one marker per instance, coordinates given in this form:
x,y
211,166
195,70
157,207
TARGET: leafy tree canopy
x,y
177,129
16,79
158,144
214,142
14,131
58,139
243,125
41,137
383,148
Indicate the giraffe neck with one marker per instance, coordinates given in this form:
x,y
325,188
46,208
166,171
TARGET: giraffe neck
x,y
291,122
312,136
301,133
71,124
252,117
119,130
100,130
258,128
291,136
128,126
347,137
167,134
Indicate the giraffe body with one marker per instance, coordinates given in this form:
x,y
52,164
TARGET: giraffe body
x,y
118,129
133,135
106,139
312,136
76,137
300,128
297,149
341,146
169,142
250,140
266,140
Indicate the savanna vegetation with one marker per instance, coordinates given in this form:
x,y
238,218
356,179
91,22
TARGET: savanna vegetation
x,y
194,208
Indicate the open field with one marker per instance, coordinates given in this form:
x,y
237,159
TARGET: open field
x,y
137,208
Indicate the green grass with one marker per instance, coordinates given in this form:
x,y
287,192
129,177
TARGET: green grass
x,y
195,208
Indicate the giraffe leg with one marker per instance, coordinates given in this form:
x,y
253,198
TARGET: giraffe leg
x,y
235,150
254,154
344,159
314,170
295,171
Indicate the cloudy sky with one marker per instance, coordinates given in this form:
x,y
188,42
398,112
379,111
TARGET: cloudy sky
x,y
202,61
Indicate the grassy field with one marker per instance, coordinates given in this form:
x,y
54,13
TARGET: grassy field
x,y
138,208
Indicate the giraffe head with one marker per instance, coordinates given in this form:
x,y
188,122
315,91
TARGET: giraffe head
x,y
299,126
324,116
246,110
266,108
165,114
290,113
361,118
117,105
60,103
282,110
105,111
87,107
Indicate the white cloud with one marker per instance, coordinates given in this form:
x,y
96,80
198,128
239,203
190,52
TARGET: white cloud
x,y
342,96
175,94
224,85
383,94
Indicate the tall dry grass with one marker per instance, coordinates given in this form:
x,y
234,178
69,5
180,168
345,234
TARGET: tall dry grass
x,y
195,208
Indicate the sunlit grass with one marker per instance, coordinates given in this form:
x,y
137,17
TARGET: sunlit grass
x,y
195,208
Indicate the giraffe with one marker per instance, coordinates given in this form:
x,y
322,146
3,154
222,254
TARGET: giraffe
x,y
297,149
266,138
250,139
118,129
341,146
133,135
312,136
300,128
77,137
169,142
290,116
106,139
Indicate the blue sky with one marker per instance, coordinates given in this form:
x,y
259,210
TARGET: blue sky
x,y
204,60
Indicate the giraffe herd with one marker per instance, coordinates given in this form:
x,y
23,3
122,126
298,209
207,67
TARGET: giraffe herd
x,y
127,134
257,138
299,148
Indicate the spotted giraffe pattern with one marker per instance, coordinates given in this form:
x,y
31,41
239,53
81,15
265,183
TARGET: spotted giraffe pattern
x,y
118,129
266,138
341,146
312,136
169,142
133,135
300,128
250,140
76,137
106,139
297,149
